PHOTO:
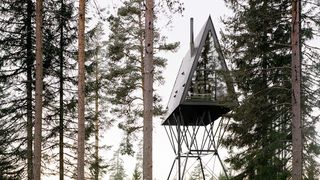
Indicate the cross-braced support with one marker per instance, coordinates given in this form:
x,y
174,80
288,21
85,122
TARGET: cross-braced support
x,y
202,93
198,142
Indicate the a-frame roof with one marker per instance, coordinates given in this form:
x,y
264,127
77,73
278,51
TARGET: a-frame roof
x,y
187,69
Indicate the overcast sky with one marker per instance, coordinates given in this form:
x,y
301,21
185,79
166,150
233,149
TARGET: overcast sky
x,y
200,10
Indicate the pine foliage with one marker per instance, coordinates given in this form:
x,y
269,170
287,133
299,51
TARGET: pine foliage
x,y
97,121
17,62
258,45
116,169
126,53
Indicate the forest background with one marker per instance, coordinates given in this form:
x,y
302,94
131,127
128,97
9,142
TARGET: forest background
x,y
16,74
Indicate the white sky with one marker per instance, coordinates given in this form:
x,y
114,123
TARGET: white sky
x,y
200,10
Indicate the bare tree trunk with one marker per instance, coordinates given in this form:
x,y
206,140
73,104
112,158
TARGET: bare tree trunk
x,y
29,90
38,94
297,145
141,45
148,92
81,91
61,129
96,173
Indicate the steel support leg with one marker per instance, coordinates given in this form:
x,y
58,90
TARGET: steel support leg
x,y
179,149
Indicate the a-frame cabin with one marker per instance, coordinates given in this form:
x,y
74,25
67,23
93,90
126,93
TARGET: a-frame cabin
x,y
203,83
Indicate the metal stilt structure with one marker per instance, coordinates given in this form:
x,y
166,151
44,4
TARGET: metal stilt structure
x,y
195,142
201,95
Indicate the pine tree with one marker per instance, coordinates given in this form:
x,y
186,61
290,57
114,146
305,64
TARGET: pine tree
x,y
96,111
116,170
38,93
17,58
8,165
259,47
137,172
126,53
197,173
66,58
29,62
19,16
59,110
81,92
61,82
60,88
297,144
147,86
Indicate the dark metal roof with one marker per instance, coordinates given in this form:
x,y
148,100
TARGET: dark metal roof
x,y
183,80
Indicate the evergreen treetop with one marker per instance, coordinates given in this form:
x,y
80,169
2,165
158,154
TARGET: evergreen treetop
x,y
258,44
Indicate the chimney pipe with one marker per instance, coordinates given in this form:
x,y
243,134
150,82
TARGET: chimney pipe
x,y
191,37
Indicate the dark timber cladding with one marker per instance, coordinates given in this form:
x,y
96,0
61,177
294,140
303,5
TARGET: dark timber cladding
x,y
203,83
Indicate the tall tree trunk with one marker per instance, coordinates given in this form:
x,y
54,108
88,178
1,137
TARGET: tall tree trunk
x,y
81,91
141,45
61,129
148,92
297,145
38,94
96,173
29,89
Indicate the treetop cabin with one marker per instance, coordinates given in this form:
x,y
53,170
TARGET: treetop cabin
x,y
203,86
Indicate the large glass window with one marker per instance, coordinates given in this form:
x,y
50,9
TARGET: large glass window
x,y
207,81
